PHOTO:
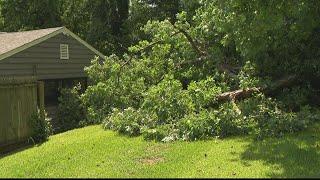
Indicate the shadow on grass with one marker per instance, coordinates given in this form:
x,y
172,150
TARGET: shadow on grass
x,y
292,156
16,148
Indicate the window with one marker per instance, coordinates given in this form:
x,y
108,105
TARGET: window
x,y
64,51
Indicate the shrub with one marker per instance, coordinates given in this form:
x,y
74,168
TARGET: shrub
x,y
258,115
71,112
276,123
41,127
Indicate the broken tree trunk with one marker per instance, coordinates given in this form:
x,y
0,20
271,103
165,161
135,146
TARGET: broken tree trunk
x,y
246,93
238,94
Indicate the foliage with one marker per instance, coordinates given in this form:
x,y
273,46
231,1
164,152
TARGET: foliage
x,y
32,14
41,127
109,25
200,125
247,76
129,121
168,101
278,35
164,133
99,22
295,97
113,86
271,121
71,112
174,59
184,65
204,92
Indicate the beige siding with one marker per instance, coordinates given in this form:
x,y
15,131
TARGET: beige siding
x,y
43,60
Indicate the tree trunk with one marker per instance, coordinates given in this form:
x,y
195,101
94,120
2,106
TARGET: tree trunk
x,y
245,93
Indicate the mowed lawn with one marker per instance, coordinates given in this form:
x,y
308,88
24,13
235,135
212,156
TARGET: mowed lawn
x,y
93,152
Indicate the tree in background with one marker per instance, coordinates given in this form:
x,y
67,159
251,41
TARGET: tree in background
x,y
142,11
109,25
100,22
32,14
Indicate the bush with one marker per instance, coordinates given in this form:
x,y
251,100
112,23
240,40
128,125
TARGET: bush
x,y
247,77
41,127
71,112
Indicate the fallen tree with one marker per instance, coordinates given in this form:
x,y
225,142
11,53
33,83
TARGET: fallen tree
x,y
268,90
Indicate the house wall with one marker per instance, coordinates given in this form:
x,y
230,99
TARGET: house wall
x,y
43,60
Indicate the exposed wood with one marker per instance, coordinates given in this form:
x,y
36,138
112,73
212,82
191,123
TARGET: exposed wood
x,y
202,54
18,97
245,93
238,94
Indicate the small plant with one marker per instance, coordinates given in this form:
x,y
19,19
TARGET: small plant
x,y
41,127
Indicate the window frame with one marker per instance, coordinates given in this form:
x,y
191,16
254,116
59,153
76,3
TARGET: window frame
x,y
66,48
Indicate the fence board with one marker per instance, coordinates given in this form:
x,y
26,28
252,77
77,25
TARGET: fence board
x,y
18,100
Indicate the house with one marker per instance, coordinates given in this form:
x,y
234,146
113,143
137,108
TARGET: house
x,y
54,55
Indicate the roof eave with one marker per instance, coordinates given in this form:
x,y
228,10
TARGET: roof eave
x,y
39,40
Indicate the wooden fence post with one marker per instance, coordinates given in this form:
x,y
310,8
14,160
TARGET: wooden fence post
x,y
41,98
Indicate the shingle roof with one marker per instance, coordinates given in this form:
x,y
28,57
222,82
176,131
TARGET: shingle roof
x,y
13,40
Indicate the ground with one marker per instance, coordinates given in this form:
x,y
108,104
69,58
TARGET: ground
x,y
93,152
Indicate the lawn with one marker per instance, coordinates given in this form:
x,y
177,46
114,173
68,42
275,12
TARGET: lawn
x,y
93,152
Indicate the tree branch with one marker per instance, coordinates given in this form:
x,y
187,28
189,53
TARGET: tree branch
x,y
147,47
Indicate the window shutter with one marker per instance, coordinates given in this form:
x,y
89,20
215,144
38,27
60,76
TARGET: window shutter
x,y
64,51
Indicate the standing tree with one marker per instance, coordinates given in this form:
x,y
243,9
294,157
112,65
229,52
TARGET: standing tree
x,y
32,14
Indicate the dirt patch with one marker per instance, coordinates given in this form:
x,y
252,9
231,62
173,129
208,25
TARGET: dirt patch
x,y
151,160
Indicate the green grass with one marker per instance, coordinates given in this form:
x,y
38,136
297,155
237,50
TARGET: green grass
x,y
93,152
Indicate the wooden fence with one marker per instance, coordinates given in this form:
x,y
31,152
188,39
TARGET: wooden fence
x,y
18,100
